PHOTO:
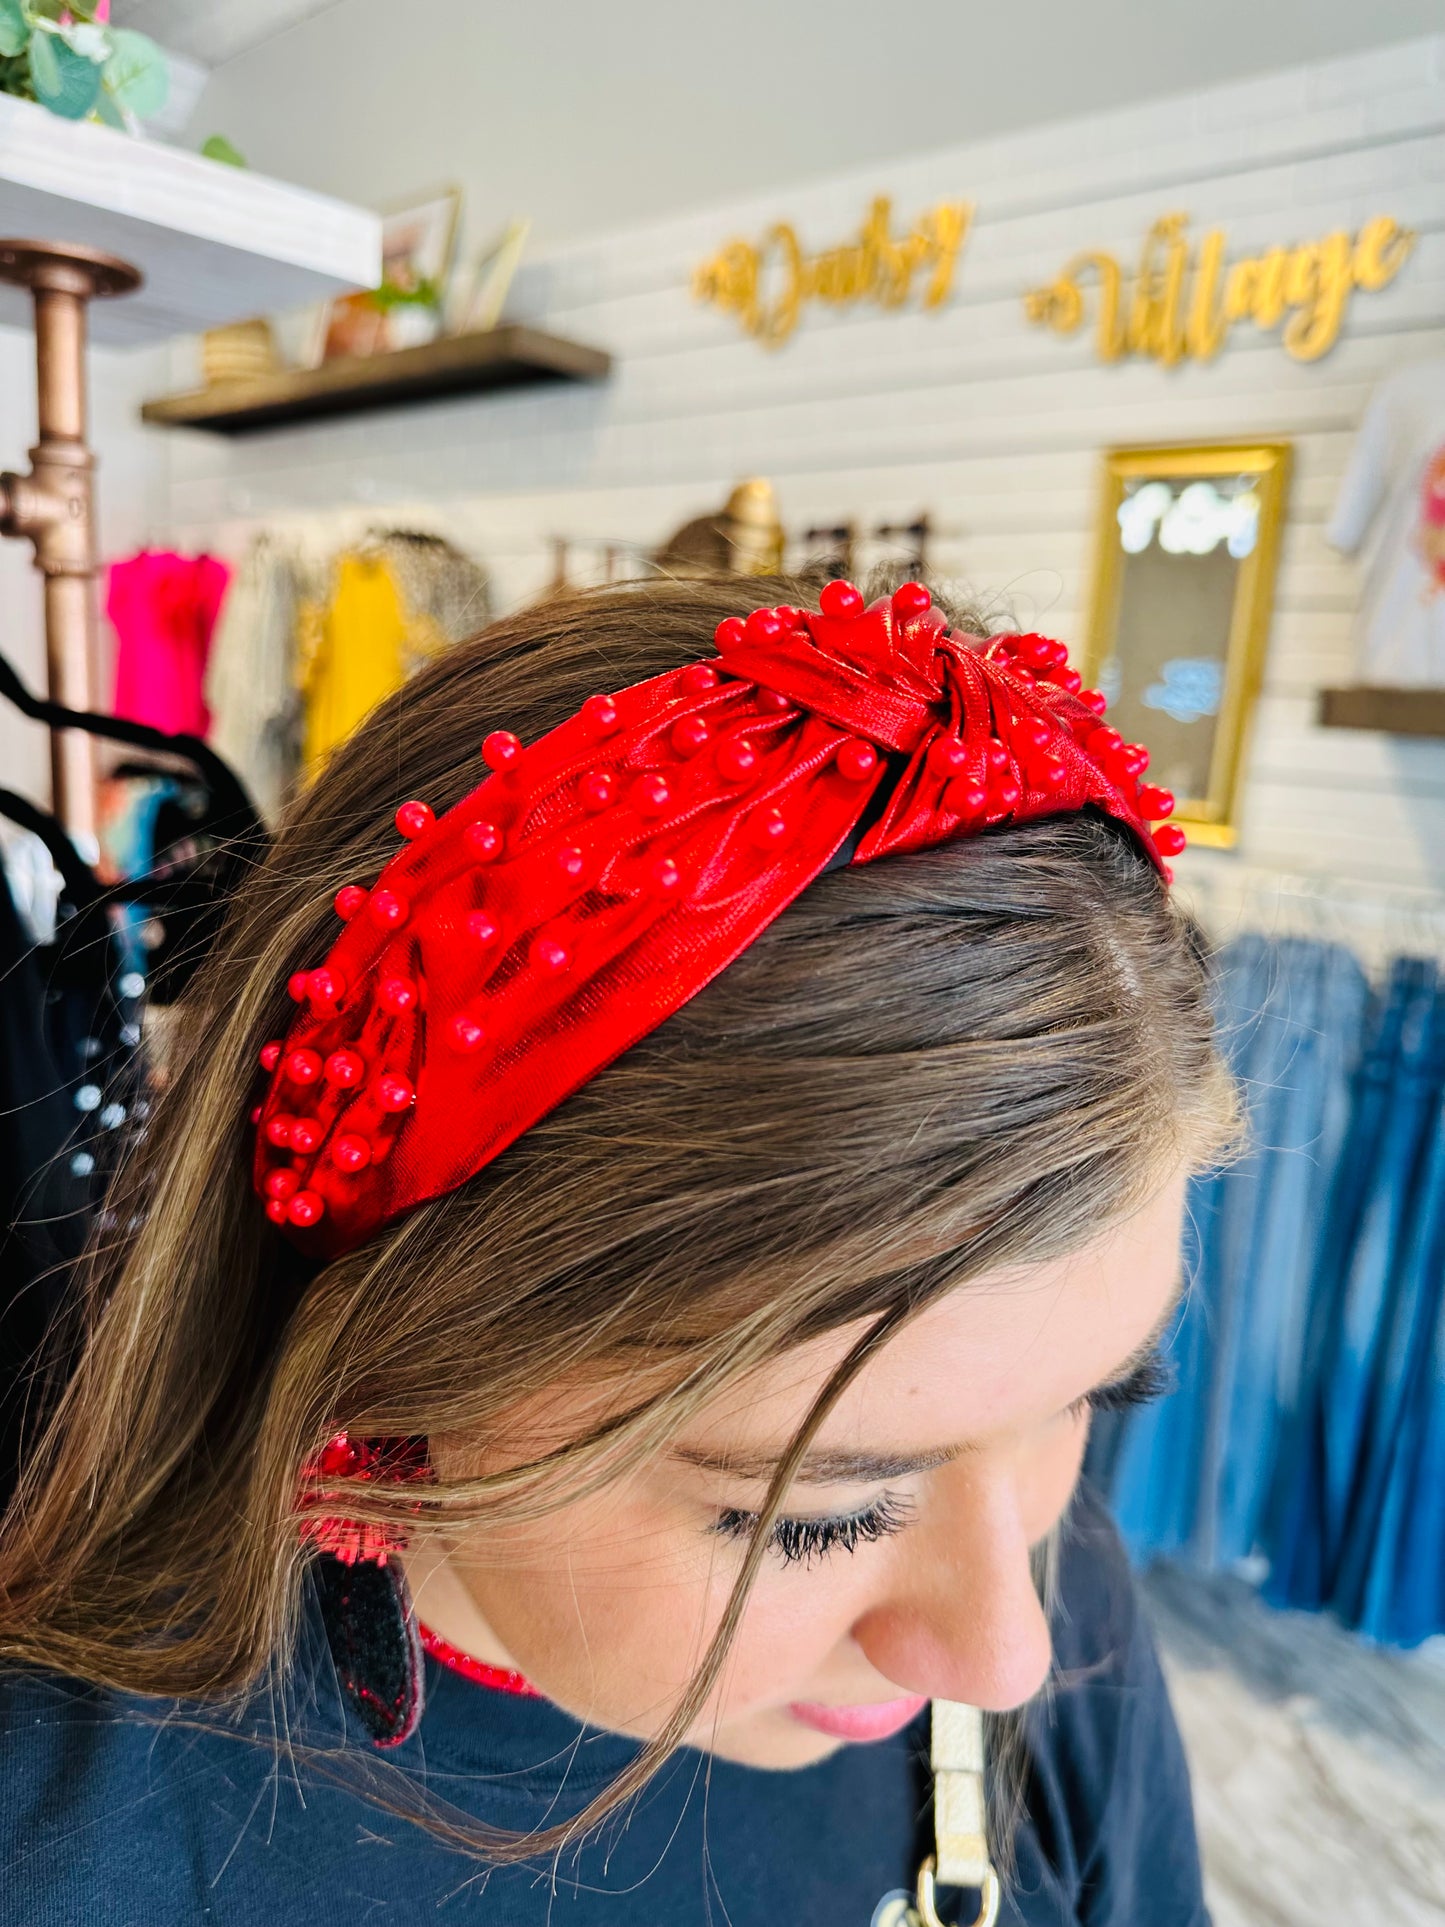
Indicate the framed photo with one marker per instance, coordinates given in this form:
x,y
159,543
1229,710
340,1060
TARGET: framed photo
x,y
418,244
1188,542
482,295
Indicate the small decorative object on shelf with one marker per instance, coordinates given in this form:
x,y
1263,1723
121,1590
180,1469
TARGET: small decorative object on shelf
x,y
1395,712
418,243
71,60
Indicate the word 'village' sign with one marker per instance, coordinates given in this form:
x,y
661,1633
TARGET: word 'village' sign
x,y
767,285
1183,306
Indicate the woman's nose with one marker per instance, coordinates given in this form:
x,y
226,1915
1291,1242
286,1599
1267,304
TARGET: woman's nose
x,y
962,1619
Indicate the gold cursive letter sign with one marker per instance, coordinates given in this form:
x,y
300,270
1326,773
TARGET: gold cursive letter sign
x,y
1182,306
767,286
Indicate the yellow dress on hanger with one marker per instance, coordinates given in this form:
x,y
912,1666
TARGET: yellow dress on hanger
x,y
351,653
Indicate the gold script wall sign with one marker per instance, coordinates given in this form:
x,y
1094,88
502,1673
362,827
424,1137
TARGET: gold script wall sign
x,y
1184,304
767,285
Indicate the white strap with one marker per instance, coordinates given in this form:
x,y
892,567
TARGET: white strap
x,y
958,1803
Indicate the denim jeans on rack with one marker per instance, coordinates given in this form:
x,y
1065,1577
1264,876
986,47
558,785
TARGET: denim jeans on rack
x,y
1369,1308
1191,1476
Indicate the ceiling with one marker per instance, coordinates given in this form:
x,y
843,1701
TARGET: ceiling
x,y
212,31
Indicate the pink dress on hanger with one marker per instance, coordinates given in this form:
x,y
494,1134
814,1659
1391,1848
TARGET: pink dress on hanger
x,y
163,607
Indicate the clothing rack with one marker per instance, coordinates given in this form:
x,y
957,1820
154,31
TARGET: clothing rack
x,y
1376,922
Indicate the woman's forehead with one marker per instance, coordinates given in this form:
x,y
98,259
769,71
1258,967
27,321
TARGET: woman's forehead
x,y
996,1355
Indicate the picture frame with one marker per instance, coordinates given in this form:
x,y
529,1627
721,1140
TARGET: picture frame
x,y
418,248
482,294
1186,553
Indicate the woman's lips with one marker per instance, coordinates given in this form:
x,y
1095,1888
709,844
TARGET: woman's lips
x,y
873,1722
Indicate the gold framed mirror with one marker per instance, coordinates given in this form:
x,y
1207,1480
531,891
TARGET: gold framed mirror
x,y
1184,568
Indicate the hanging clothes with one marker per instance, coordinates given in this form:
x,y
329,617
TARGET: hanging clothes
x,y
394,603
251,685
163,608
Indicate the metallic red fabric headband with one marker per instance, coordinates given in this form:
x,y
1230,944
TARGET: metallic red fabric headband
x,y
598,879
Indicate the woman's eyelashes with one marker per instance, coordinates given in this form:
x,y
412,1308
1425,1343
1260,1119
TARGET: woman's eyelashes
x,y
1153,1377
801,1541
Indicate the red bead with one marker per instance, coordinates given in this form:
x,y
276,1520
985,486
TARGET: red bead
x,y
689,734
787,614
305,1134
911,599
1071,680
699,677
387,908
1168,873
465,1033
396,994
350,1152
651,795
345,1068
483,841
270,1055
281,1184
968,798
325,987
764,625
1133,759
306,1207
1034,734
1050,773
600,715
413,818
349,899
1103,742
736,759
840,599
947,757
304,1066
856,759
550,956
570,861
339,1457
278,1131
276,1210
598,790
482,927
1006,795
773,702
663,876
394,1092
728,633
1094,699
996,756
1154,803
1169,839
255,1113
1022,673
501,749
768,828
296,985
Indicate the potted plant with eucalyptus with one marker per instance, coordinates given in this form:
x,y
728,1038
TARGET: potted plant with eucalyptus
x,y
70,59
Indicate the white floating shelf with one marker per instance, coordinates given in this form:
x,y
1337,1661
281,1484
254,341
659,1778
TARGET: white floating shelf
x,y
214,243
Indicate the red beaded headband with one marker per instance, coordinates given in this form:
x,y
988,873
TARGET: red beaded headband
x,y
598,879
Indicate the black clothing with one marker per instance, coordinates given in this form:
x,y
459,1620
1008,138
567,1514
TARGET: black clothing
x,y
124,1815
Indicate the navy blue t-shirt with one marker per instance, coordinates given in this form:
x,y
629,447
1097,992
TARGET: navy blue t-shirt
x,y
126,1813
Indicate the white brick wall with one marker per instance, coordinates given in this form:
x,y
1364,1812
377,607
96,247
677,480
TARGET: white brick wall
x,y
989,423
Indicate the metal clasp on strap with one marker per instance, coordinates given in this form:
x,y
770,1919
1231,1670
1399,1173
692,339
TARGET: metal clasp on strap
x,y
960,1827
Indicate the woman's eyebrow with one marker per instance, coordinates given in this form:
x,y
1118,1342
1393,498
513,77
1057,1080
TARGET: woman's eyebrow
x,y
823,1468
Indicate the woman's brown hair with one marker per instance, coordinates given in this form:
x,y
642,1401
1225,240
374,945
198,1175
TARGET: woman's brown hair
x,y
927,1068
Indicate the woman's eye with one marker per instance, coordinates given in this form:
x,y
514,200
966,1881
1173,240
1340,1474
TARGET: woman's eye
x,y
1154,1378
797,1541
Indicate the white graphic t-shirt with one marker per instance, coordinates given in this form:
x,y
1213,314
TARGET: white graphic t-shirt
x,y
1392,501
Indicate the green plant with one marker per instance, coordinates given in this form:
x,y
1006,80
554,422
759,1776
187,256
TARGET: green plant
x,y
217,148
70,59
424,293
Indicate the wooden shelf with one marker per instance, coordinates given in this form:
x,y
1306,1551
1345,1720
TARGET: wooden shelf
x,y
1398,712
507,357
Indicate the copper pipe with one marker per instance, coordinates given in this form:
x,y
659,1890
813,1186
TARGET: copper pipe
x,y
53,505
